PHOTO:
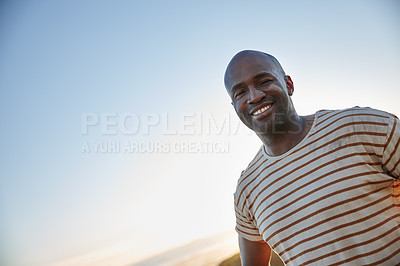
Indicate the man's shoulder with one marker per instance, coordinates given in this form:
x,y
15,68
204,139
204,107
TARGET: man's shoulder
x,y
368,110
354,113
245,180
254,164
257,159
354,122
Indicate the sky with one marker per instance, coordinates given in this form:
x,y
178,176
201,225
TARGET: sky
x,y
117,133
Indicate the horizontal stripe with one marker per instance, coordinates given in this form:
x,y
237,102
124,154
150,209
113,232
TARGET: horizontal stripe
x,y
356,133
332,229
238,219
246,227
246,232
326,144
397,215
299,167
312,191
325,112
244,179
241,218
259,155
321,210
355,114
252,164
391,230
334,114
379,262
350,124
308,183
371,252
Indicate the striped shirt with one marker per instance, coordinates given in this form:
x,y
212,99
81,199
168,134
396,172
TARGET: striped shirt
x,y
333,199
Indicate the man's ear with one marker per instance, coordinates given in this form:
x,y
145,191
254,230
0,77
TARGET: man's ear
x,y
289,85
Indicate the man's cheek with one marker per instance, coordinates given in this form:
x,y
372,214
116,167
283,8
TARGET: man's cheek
x,y
239,109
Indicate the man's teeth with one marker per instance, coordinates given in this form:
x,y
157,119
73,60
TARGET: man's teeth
x,y
262,110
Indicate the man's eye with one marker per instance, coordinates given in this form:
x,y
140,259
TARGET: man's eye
x,y
263,82
238,94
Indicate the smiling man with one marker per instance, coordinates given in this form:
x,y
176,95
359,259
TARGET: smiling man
x,y
323,188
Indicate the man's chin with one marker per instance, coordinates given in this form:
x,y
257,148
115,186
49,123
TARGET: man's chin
x,y
261,129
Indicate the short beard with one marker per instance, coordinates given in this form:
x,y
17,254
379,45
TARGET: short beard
x,y
279,124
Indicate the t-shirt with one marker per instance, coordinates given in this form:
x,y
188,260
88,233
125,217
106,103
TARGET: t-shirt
x,y
333,199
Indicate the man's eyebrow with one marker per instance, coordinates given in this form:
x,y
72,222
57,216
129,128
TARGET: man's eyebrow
x,y
263,74
258,76
237,86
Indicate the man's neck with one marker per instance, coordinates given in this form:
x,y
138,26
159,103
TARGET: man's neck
x,y
283,140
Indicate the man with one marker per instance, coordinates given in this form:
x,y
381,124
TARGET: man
x,y
322,189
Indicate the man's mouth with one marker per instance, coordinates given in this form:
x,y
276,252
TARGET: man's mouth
x,y
262,110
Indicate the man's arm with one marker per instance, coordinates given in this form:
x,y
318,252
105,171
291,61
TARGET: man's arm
x,y
254,253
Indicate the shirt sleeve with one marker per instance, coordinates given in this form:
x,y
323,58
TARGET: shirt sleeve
x,y
391,151
245,225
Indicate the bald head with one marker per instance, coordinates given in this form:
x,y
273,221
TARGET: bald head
x,y
247,57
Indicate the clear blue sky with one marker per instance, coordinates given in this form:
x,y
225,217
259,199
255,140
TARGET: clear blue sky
x,y
62,59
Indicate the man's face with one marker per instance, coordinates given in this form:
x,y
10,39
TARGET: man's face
x,y
259,93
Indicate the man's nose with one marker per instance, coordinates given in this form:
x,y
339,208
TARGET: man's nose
x,y
255,95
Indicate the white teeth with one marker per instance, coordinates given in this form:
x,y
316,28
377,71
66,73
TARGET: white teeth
x,y
262,110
